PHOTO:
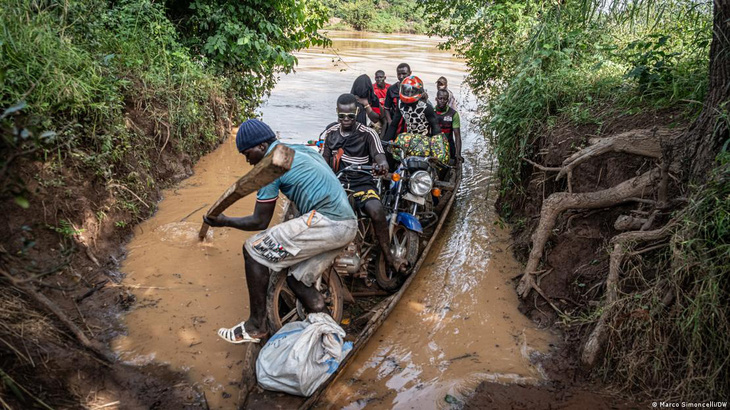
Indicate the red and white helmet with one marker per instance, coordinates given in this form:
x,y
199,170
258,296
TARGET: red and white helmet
x,y
411,89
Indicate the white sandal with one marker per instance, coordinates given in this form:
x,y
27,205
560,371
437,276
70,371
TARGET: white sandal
x,y
229,335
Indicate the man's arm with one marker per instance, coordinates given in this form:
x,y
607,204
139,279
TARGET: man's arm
x,y
456,126
389,105
432,120
393,127
259,220
376,152
381,165
374,116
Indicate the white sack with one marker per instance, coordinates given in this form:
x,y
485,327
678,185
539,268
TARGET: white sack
x,y
302,355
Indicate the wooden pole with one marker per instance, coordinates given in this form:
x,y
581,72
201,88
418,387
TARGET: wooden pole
x,y
272,166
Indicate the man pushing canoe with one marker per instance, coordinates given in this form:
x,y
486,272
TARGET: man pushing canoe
x,y
306,245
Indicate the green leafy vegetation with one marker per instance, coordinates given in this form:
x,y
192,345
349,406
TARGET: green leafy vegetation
x,y
533,61
102,103
109,90
66,229
250,47
402,16
540,65
105,70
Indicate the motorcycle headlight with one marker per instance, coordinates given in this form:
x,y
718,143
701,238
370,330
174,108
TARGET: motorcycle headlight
x,y
421,183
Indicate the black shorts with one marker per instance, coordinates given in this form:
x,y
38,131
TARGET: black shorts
x,y
361,193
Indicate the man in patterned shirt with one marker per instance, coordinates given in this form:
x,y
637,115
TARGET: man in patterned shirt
x,y
418,115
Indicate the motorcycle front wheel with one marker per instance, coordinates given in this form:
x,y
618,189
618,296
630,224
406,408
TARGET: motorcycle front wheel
x,y
404,244
283,306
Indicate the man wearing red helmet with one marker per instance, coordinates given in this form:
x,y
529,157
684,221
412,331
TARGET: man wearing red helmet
x,y
418,115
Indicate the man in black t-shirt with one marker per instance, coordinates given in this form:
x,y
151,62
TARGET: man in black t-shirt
x,y
351,143
392,96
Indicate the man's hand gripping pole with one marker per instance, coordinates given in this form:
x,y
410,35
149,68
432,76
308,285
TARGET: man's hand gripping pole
x,y
271,167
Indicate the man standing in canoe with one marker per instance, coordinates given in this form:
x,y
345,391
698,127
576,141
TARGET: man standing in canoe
x,y
393,94
450,123
381,89
306,245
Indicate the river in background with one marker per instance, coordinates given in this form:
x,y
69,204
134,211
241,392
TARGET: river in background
x,y
456,325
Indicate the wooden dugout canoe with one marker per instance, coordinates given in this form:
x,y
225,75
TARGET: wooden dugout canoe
x,y
254,397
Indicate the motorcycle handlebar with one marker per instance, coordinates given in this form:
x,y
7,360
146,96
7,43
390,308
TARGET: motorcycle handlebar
x,y
358,168
435,161
365,169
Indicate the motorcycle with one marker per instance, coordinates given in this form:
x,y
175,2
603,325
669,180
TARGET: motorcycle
x,y
361,259
412,203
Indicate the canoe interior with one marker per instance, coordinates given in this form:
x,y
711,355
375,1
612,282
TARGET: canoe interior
x,y
361,320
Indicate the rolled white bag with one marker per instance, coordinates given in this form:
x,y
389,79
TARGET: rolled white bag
x,y
302,355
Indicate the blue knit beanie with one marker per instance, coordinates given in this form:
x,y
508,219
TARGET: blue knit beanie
x,y
252,133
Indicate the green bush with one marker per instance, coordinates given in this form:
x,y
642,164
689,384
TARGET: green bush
x,y
384,22
531,61
81,65
249,42
359,13
378,16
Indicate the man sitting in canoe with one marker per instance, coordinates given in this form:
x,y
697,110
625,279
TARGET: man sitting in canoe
x,y
348,142
306,245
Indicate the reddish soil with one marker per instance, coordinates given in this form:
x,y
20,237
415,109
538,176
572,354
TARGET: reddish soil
x,y
497,396
575,256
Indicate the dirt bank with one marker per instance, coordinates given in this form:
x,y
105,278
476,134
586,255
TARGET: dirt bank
x,y
576,258
66,247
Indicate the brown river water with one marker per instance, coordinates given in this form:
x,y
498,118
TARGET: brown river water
x,y
457,324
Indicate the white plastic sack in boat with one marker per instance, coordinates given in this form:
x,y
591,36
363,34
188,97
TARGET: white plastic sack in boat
x,y
302,355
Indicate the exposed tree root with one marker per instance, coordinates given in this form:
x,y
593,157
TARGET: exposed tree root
x,y
621,244
558,202
52,308
644,142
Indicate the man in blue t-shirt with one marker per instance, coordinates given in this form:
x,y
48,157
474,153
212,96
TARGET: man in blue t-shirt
x,y
306,245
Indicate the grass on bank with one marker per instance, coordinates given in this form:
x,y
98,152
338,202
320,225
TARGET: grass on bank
x,y
670,334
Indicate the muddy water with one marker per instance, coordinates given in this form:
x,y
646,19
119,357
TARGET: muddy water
x,y
457,324
186,289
